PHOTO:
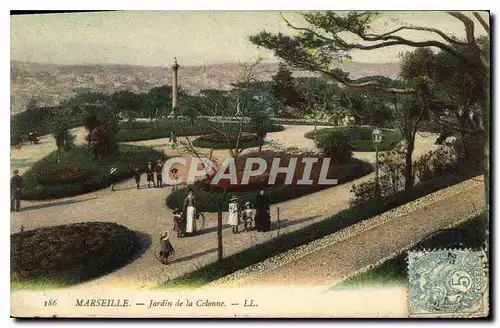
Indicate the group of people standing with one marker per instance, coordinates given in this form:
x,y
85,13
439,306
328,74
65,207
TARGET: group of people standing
x,y
261,215
152,169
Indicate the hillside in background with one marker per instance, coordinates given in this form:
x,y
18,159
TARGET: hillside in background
x,y
51,84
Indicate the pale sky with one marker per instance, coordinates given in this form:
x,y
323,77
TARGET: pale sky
x,y
154,38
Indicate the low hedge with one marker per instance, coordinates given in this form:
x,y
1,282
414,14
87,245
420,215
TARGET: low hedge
x,y
66,175
136,131
69,254
218,141
361,137
277,193
126,159
339,221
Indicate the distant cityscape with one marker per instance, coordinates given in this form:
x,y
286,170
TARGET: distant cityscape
x,y
51,84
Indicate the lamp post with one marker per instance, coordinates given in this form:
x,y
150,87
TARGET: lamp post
x,y
377,138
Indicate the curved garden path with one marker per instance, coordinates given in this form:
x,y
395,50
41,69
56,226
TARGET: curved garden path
x,y
145,212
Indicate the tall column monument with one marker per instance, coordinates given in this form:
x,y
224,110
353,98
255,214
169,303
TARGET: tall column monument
x,y
175,69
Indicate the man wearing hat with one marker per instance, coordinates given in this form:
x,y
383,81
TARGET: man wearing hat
x,y
16,183
112,177
234,212
159,169
166,247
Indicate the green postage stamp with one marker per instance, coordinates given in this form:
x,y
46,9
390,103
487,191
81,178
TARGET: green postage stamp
x,y
447,282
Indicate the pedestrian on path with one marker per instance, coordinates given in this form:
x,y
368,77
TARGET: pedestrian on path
x,y
150,175
262,212
166,247
234,212
137,177
178,225
159,169
16,184
112,177
189,211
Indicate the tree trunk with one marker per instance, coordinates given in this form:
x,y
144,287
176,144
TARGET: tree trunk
x,y
409,164
219,230
486,154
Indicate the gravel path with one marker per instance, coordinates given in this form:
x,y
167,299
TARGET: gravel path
x,y
332,259
145,212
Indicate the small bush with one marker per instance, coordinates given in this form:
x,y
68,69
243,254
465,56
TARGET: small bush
x,y
361,137
72,253
336,144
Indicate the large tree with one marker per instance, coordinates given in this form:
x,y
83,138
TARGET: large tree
x,y
327,38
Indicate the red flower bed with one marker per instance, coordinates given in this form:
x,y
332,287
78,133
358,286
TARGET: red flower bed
x,y
67,175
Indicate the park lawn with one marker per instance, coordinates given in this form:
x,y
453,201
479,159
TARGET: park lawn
x,y
137,131
361,137
125,159
469,234
285,242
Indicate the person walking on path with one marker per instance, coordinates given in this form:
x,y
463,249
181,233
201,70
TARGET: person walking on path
x,y
234,212
112,177
16,183
159,169
262,212
150,174
189,211
137,177
166,247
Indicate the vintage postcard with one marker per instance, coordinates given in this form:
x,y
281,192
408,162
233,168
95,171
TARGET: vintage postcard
x,y
250,164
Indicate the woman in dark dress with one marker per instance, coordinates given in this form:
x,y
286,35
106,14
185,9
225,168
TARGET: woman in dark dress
x,y
262,215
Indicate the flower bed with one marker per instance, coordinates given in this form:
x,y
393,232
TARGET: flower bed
x,y
279,191
38,184
66,175
220,141
68,254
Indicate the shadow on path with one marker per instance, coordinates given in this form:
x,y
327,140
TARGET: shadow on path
x,y
288,223
60,203
192,256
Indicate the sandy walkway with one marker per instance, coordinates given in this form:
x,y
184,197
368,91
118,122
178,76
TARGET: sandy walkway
x,y
145,211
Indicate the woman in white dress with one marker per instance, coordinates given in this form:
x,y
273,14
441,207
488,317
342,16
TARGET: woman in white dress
x,y
189,210
234,212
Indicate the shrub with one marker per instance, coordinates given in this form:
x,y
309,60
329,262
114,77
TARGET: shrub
x,y
336,144
71,253
435,163
361,137
126,159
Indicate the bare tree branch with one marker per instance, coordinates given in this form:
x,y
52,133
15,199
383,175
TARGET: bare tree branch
x,y
482,22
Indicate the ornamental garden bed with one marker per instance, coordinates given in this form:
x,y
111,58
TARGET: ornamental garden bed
x,y
361,137
66,175
279,191
136,131
220,141
78,172
68,254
